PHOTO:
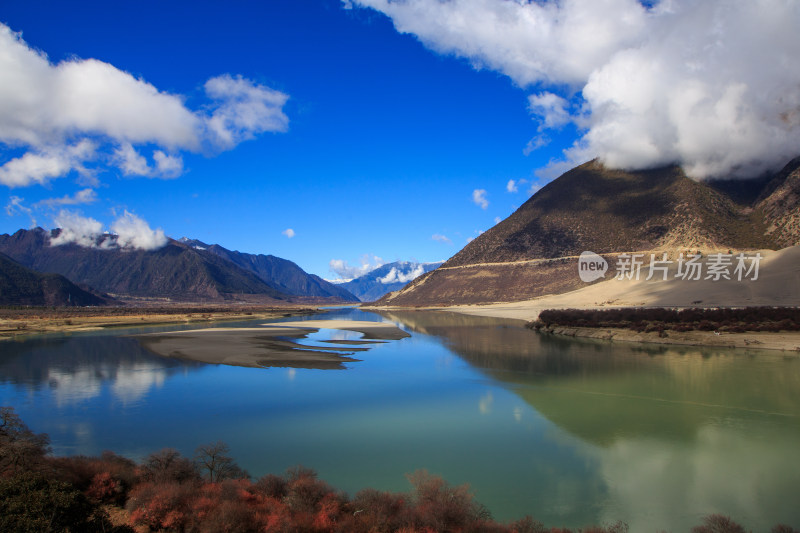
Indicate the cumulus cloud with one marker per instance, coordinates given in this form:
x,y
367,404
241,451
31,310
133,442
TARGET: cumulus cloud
x,y
479,197
712,85
134,232
127,232
84,110
43,165
132,163
289,232
77,229
347,272
398,276
441,238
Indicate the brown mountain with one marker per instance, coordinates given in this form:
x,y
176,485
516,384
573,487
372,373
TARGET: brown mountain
x,y
533,252
23,286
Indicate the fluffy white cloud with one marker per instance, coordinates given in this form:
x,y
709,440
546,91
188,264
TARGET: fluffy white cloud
x,y
347,272
134,232
398,276
712,85
127,232
76,229
438,237
82,110
289,232
243,110
44,165
479,197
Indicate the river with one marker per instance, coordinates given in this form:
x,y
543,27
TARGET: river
x,y
573,432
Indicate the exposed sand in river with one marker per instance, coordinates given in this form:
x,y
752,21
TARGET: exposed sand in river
x,y
272,345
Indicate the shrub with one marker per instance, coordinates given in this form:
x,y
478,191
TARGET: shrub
x,y
29,502
717,523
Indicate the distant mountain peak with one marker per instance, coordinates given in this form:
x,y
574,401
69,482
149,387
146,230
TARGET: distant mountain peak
x,y
387,278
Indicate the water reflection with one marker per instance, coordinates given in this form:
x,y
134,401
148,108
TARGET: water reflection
x,y
668,433
77,369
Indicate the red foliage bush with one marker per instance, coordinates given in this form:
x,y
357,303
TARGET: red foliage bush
x,y
161,505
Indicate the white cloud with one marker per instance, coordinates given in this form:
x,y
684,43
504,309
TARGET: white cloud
x,y
168,166
289,232
76,229
15,207
84,196
132,163
82,110
513,185
497,220
346,271
41,166
243,110
479,197
441,238
134,232
712,85
551,109
398,276
129,232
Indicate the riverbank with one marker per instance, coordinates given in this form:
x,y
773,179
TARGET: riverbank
x,y
18,321
785,341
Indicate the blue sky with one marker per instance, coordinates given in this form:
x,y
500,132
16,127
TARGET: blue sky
x,y
375,122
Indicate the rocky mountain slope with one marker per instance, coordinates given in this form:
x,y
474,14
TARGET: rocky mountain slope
x,y
591,208
23,286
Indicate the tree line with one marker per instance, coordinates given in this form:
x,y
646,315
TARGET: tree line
x,y
647,319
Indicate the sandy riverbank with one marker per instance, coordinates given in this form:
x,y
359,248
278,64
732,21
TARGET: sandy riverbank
x,y
15,322
272,345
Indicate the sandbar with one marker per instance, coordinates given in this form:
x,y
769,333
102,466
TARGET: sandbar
x,y
272,345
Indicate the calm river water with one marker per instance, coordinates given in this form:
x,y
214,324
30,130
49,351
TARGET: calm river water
x,y
571,432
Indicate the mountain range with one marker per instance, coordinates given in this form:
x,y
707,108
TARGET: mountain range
x,y
281,274
387,278
182,271
592,208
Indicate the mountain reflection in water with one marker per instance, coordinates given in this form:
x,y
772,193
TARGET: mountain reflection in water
x,y
671,429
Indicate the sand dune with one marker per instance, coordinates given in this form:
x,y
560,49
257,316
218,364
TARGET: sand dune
x,y
778,283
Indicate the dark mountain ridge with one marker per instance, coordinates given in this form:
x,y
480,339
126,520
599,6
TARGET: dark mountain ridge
x,y
281,274
23,286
